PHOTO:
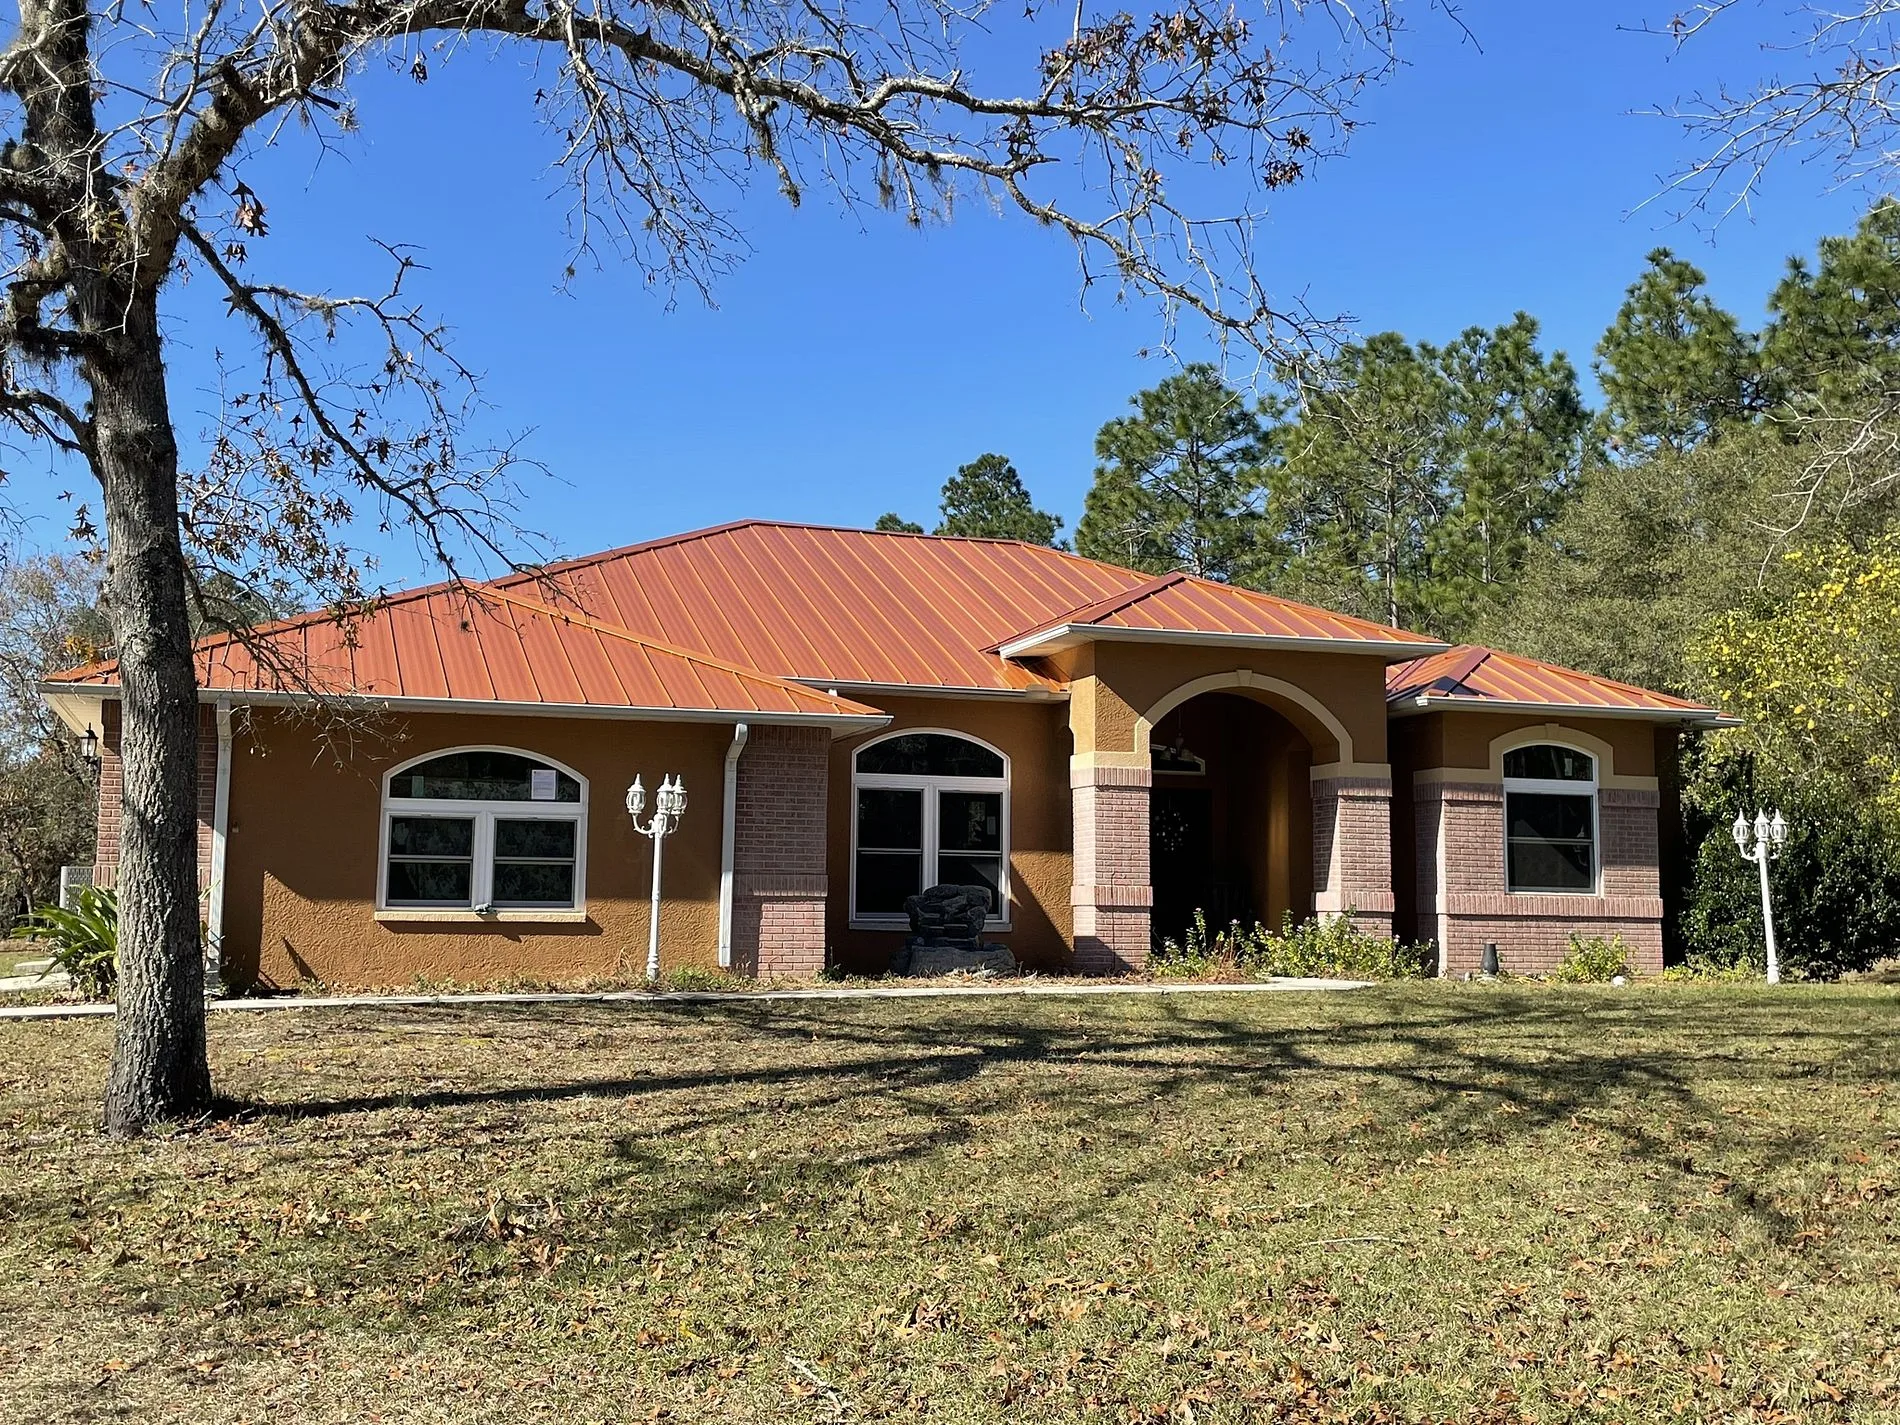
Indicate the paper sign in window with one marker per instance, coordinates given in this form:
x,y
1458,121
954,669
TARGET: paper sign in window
x,y
541,786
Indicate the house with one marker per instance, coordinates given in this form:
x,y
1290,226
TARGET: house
x,y
857,715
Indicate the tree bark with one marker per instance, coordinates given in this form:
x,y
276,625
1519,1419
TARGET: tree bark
x,y
159,1069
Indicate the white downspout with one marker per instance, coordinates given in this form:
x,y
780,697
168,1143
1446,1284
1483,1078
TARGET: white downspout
x,y
728,841
220,829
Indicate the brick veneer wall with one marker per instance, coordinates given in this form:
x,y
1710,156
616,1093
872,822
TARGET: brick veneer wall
x,y
111,797
779,881
1111,897
1461,826
1352,850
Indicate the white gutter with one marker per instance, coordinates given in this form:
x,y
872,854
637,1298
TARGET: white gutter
x,y
841,724
1707,717
728,841
220,831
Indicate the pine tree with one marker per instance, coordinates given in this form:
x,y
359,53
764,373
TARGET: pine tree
x,y
893,523
1179,484
1835,330
1416,478
986,499
1675,367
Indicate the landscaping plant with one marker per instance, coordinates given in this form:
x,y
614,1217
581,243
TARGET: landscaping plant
x,y
83,941
1321,947
1592,960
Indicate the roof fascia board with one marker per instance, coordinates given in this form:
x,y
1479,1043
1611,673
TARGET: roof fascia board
x,y
369,702
1699,717
932,690
1070,635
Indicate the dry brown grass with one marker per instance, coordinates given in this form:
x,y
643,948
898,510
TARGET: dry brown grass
x,y
1423,1202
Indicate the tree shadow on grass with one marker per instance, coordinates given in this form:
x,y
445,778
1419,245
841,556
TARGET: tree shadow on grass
x,y
1491,1068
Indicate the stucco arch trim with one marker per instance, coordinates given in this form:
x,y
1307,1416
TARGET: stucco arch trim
x,y
1315,720
1558,733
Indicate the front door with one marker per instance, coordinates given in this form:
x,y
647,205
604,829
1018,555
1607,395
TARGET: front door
x,y
1180,857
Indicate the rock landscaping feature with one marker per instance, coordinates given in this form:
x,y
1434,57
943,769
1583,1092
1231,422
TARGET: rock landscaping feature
x,y
946,937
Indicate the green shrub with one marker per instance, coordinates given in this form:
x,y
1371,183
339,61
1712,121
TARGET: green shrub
x,y
83,941
1330,947
1593,960
1704,971
1836,882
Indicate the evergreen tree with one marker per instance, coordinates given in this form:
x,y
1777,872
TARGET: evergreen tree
x,y
986,499
1835,331
1675,368
1417,478
893,523
1179,484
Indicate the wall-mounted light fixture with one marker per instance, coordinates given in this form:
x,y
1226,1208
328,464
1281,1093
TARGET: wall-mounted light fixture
x,y
89,745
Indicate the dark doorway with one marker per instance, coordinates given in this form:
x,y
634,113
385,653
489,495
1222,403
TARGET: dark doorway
x,y
1180,852
1230,817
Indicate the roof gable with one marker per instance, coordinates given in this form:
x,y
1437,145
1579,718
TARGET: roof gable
x,y
1471,677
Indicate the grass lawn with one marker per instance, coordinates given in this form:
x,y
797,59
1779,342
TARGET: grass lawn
x,y
1429,1202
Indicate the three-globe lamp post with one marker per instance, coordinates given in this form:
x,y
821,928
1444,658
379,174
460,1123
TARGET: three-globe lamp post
x,y
1761,841
669,805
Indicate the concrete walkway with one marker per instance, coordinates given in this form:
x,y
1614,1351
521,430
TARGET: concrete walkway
x,y
1031,987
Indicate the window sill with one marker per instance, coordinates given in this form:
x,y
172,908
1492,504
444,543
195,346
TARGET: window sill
x,y
494,917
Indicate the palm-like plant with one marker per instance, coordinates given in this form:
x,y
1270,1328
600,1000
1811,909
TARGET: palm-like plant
x,y
82,941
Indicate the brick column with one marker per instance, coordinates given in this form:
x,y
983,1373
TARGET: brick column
x,y
1111,896
779,882
1352,850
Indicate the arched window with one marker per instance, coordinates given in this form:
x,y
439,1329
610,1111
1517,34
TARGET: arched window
x,y
484,828
929,808
1550,819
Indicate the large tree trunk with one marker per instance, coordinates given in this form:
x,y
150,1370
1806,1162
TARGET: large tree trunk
x,y
159,1070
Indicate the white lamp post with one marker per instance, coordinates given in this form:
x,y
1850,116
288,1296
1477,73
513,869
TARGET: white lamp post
x,y
669,805
1761,842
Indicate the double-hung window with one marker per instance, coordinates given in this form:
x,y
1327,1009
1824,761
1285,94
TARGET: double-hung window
x,y
484,829
1550,819
929,808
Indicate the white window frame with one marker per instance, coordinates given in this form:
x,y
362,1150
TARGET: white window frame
x,y
484,814
929,787
1557,786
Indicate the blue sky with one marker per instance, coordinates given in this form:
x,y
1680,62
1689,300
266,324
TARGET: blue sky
x,y
851,363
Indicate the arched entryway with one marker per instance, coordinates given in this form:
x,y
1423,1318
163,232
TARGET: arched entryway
x,y
1230,814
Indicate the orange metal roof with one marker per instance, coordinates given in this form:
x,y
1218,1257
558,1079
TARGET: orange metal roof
x,y
777,619
490,645
1471,677
1174,604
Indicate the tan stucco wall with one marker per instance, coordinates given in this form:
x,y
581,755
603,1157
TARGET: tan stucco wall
x,y
305,828
1035,738
1121,683
1463,739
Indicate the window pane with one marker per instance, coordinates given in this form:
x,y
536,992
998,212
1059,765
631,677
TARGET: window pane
x,y
1550,866
969,821
429,882
535,840
930,754
1538,816
483,777
886,878
965,870
891,817
431,836
1549,764
533,883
